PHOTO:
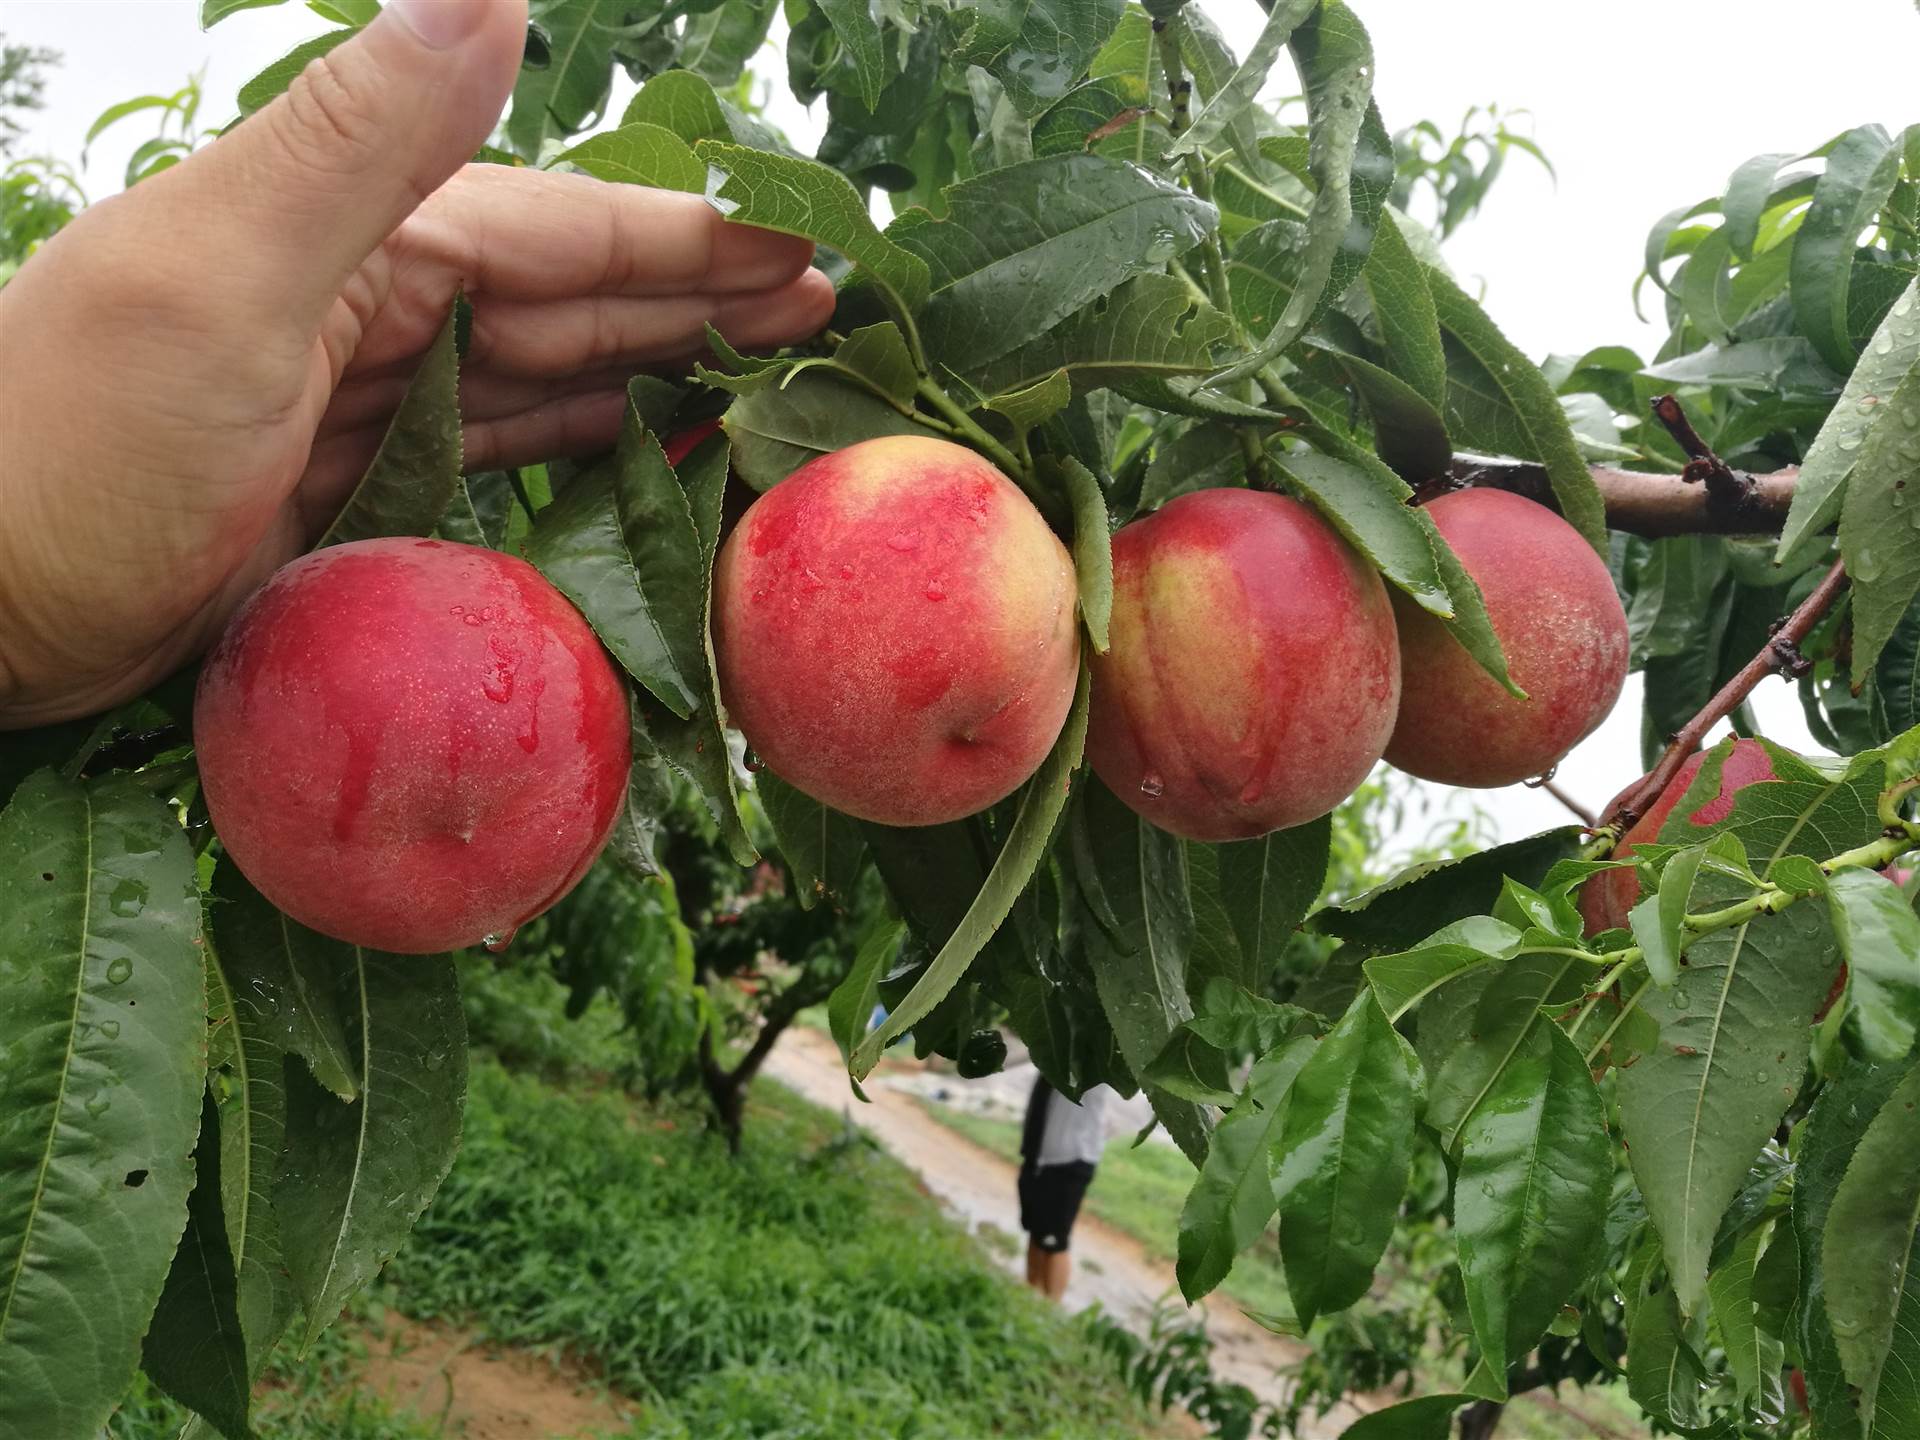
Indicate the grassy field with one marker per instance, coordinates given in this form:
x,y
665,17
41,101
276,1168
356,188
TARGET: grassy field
x,y
809,1290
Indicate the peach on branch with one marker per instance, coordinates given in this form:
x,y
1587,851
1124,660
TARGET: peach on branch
x,y
1553,606
895,630
1253,675
1608,898
411,744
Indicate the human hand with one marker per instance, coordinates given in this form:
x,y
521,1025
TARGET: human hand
x,y
194,375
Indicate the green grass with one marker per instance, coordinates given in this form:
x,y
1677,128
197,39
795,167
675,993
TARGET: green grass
x,y
806,1289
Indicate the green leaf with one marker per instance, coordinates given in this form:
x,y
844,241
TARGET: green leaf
x,y
1862,169
1407,431
1262,272
212,12
1879,937
824,848
1506,1012
1267,885
1039,55
803,197
621,545
859,34
1896,678
1232,1198
1095,108
1401,981
1342,1159
272,82
1351,160
1422,898
1530,1200
115,113
1041,802
1139,933
1755,1354
877,356
570,90
1373,517
717,44
1505,376
1233,97
639,154
775,429
482,509
1659,921
1697,1107
103,1026
1878,537
1092,550
1664,1374
680,101
1396,284
1027,246
416,471
355,1177
1029,408
195,1350
1428,1418
1749,192
268,982
853,999
1827,1142
1871,1239
1147,330
1470,625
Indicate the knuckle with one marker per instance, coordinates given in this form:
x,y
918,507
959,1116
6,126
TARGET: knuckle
x,y
326,119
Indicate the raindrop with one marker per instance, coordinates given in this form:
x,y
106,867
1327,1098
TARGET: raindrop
x,y
753,763
128,899
935,590
98,1106
846,572
110,1029
1152,786
904,541
120,971
497,683
1539,780
496,944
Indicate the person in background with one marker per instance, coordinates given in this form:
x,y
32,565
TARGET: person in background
x,y
1060,1145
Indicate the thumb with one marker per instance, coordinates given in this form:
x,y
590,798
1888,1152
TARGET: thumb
x,y
313,182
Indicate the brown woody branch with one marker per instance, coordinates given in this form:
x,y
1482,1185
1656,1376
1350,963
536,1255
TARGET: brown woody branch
x,y
1780,655
1732,491
1654,505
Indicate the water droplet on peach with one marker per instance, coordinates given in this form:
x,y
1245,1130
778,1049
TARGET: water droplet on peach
x,y
1152,786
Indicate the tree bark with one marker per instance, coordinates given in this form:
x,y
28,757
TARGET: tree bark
x,y
1653,505
1480,1420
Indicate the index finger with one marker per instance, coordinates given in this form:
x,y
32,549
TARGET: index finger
x,y
535,235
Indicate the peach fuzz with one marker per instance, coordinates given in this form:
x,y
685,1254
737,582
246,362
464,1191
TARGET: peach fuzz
x,y
411,744
1253,675
895,630
1553,606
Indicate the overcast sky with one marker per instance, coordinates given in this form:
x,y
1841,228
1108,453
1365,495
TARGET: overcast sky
x,y
1641,104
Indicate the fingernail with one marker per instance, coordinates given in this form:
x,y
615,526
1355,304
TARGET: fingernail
x,y
440,24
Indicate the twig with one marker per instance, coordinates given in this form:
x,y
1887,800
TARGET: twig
x,y
1649,505
1781,654
1579,811
1725,488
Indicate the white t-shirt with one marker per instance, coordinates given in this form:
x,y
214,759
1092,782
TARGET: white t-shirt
x,y
1074,1132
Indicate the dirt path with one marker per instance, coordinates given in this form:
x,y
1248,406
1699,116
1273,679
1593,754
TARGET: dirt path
x,y
978,1186
478,1391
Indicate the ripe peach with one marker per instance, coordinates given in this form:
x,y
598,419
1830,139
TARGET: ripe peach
x,y
1253,673
894,625
1553,606
1606,899
410,744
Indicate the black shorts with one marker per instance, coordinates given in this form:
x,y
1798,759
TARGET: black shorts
x,y
1050,1197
